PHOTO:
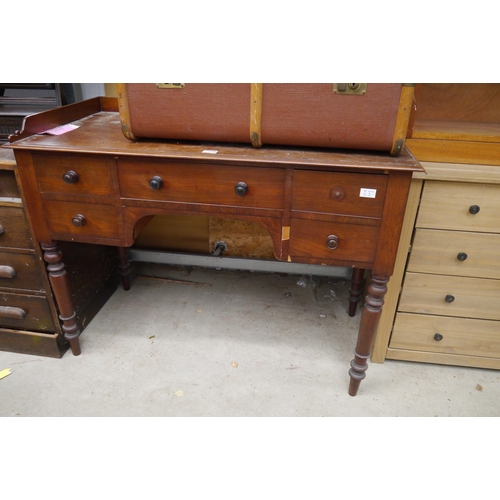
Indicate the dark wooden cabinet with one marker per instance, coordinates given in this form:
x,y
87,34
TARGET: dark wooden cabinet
x,y
29,316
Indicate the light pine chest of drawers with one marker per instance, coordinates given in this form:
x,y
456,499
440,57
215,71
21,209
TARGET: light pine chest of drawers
x,y
445,306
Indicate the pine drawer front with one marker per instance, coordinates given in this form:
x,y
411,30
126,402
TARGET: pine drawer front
x,y
332,241
337,193
74,176
81,220
14,231
460,206
451,296
440,334
202,184
456,253
25,312
19,270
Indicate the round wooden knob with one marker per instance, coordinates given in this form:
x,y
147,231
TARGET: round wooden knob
x,y
241,189
156,182
474,209
70,177
1,229
79,220
332,242
438,337
449,299
462,256
337,193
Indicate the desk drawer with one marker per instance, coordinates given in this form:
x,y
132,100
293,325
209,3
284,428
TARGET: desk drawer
x,y
202,184
456,253
14,231
469,337
25,312
19,271
360,195
460,206
451,296
74,175
333,241
81,219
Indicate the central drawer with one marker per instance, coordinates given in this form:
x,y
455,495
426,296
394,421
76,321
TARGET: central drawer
x,y
253,187
333,241
358,195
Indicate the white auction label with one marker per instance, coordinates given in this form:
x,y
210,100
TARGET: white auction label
x,y
210,151
367,193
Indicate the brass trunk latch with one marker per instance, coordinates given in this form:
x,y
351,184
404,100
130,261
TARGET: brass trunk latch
x,y
350,88
170,85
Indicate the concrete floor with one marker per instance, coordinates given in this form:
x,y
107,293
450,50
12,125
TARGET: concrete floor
x,y
207,343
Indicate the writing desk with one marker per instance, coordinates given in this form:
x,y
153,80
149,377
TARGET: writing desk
x,y
92,185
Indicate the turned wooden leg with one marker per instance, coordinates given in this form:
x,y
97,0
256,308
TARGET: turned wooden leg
x,y
367,329
124,267
60,286
356,289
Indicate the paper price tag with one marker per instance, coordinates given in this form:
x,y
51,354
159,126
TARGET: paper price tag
x,y
367,193
210,151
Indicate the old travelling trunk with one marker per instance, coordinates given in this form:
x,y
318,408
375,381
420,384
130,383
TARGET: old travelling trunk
x,y
346,116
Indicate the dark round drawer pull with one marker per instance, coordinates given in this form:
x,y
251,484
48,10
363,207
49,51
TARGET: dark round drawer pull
x,y
12,312
462,256
332,242
241,188
474,209
337,193
1,229
438,337
449,299
79,220
70,177
156,182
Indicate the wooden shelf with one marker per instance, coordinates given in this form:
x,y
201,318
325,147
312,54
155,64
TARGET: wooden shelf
x,y
456,123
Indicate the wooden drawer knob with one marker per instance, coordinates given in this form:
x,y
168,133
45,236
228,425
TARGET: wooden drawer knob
x,y
474,209
1,229
462,256
70,177
79,220
449,298
337,193
438,337
156,182
241,189
12,312
7,272
332,242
